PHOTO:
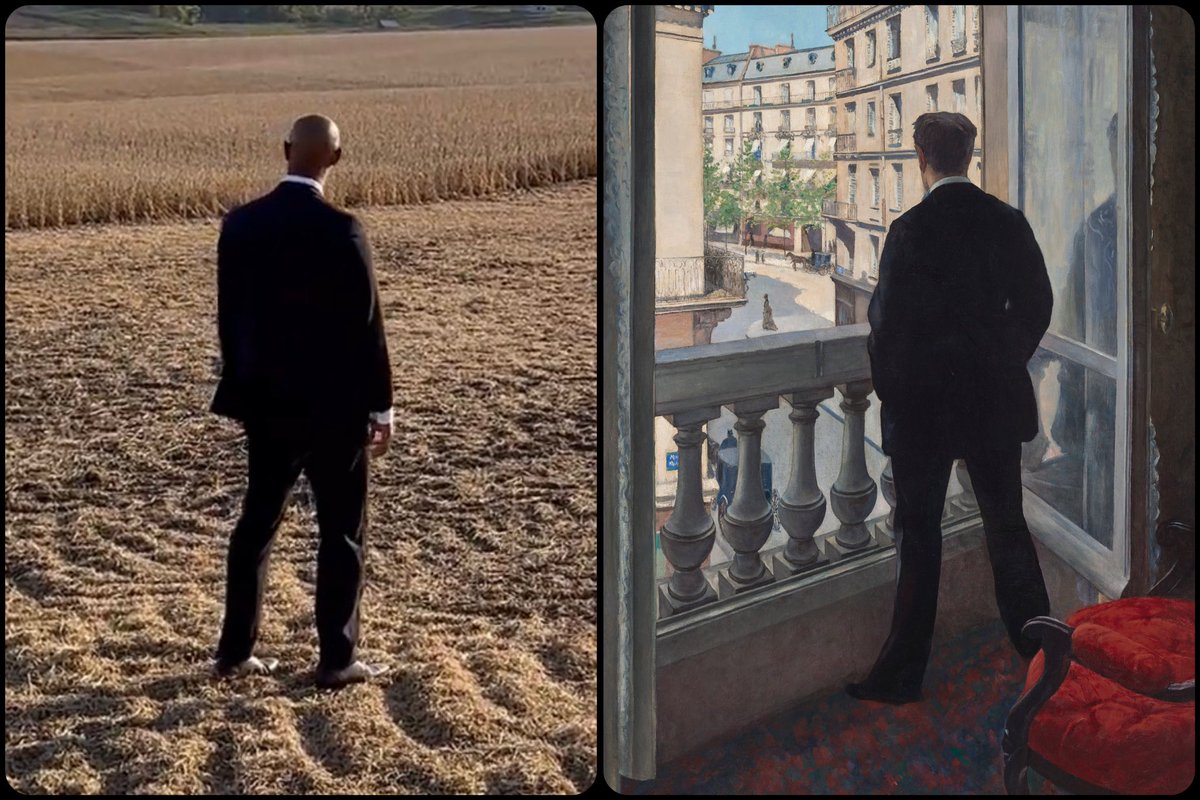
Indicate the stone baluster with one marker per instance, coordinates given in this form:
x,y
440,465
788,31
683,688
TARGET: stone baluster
x,y
688,534
887,485
802,505
966,503
746,523
1034,451
854,492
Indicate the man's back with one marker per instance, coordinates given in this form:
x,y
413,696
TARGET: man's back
x,y
962,302
298,314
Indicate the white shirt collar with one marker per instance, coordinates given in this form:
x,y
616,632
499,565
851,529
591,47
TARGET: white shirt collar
x,y
948,179
307,181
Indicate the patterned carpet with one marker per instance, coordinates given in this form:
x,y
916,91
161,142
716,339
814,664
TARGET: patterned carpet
x,y
947,744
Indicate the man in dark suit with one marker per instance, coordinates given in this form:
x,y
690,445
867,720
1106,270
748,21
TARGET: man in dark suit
x,y
962,302
306,371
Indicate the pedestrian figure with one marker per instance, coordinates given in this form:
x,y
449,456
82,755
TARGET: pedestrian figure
x,y
768,317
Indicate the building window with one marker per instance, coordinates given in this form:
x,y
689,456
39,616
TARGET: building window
x,y
931,97
870,48
871,118
874,188
810,90
728,145
852,184
729,97
978,95
894,122
898,196
975,26
849,54
875,257
729,123
810,148
758,120
832,86
893,26
932,50
757,95
785,120
850,122
960,96
785,92
810,120
958,39
708,124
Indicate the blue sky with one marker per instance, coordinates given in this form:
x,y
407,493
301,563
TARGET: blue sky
x,y
737,27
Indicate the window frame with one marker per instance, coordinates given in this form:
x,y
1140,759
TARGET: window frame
x,y
1113,570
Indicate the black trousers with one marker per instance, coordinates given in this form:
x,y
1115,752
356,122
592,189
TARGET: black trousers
x,y
336,466
921,478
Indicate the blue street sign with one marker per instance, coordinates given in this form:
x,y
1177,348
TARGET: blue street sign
x,y
672,461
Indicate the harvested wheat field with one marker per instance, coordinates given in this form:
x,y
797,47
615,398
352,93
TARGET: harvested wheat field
x,y
121,491
104,131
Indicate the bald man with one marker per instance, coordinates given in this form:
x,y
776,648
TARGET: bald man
x,y
306,372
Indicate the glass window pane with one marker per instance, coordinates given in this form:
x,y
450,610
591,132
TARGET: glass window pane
x,y
1070,463
1075,220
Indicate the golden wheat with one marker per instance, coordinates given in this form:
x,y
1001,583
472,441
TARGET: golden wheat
x,y
151,130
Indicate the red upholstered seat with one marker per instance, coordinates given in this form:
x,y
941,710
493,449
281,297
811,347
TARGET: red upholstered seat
x,y
1100,726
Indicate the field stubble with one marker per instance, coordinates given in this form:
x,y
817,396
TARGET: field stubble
x,y
121,490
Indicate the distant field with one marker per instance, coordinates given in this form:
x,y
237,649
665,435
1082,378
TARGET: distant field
x,y
168,129
96,21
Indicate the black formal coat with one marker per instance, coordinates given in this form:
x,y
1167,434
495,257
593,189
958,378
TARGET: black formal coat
x,y
302,340
962,302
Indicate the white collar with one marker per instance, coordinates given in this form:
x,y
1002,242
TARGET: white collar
x,y
306,181
948,179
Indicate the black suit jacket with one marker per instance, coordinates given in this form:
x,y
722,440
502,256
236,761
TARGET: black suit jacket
x,y
962,302
302,340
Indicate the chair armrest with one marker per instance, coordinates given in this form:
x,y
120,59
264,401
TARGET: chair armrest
x,y
1056,647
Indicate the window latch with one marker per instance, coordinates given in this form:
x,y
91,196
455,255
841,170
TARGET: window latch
x,y
1166,318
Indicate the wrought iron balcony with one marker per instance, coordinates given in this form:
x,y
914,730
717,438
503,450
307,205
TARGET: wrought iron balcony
x,y
724,273
844,79
785,133
893,64
895,137
844,143
958,45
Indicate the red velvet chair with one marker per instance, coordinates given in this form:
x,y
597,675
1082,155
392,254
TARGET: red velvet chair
x,y
1109,705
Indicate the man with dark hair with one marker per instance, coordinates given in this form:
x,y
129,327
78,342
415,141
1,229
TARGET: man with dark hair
x,y
306,371
962,302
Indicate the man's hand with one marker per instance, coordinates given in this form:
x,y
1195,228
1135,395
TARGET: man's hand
x,y
378,435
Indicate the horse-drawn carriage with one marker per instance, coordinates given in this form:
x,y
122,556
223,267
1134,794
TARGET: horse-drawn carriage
x,y
820,263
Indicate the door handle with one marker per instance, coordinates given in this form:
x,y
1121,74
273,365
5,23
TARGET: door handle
x,y
1166,318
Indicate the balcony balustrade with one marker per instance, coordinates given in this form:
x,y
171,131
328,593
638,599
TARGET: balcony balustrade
x,y
678,278
831,207
844,143
805,368
895,137
958,45
893,64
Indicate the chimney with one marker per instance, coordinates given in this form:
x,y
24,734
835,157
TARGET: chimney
x,y
793,41
714,47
